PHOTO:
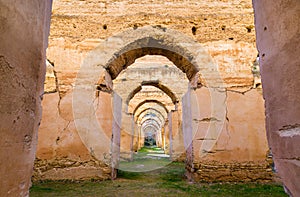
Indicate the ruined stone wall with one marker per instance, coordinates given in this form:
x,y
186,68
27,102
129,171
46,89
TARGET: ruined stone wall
x,y
206,21
224,28
215,171
240,151
61,154
22,73
278,41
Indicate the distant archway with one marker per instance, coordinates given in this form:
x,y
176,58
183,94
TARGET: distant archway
x,y
156,84
150,110
150,101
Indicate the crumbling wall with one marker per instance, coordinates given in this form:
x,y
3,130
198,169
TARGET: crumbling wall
x,y
22,73
278,27
61,154
231,146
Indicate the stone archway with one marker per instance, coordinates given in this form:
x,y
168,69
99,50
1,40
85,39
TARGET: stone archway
x,y
150,111
150,101
135,103
120,51
156,84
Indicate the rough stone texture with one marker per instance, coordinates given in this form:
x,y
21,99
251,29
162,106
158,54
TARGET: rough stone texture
x,y
278,38
251,171
50,85
244,133
240,148
178,151
62,168
234,60
57,134
66,61
116,133
22,70
153,77
212,20
126,137
61,150
79,26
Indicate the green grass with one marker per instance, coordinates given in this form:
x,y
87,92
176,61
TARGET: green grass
x,y
144,150
166,181
149,149
143,163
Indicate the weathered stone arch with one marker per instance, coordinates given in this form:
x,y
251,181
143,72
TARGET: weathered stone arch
x,y
146,121
151,126
118,52
150,101
156,84
148,124
153,41
155,106
145,112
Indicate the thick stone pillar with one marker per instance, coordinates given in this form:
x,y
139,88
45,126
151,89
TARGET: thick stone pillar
x,y
170,128
135,137
166,137
163,140
177,138
126,136
278,39
116,133
24,30
159,138
127,130
141,137
132,137
187,129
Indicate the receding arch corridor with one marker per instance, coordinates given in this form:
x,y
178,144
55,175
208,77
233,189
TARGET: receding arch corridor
x,y
224,113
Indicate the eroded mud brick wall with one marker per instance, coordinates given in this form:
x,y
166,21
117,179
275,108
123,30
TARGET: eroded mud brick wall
x,y
278,38
224,28
22,71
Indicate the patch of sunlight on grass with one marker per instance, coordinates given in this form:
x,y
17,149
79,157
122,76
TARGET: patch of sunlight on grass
x,y
144,162
143,165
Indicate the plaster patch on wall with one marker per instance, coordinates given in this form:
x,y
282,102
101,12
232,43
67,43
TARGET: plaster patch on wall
x,y
290,131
